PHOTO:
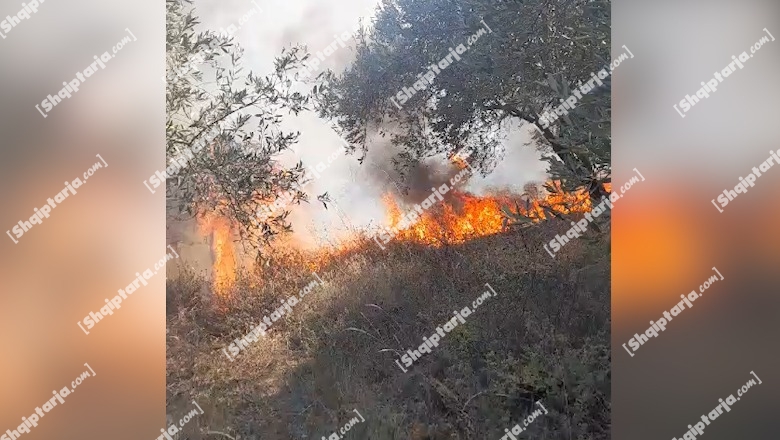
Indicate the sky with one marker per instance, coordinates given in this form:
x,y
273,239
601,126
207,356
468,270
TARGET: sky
x,y
263,35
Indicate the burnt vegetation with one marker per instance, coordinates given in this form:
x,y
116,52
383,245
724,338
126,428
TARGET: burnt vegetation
x,y
545,337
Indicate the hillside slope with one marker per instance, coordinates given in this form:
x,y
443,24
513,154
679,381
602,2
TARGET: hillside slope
x,y
544,337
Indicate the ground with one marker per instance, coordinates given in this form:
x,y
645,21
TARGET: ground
x,y
544,337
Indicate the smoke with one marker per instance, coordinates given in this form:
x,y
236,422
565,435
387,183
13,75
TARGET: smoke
x,y
413,182
521,163
355,189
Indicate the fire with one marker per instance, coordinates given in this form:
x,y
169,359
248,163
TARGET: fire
x,y
460,217
468,217
465,216
219,233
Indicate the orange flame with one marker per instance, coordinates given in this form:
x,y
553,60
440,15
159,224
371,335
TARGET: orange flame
x,y
466,216
219,233
460,217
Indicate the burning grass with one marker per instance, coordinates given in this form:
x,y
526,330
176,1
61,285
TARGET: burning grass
x,y
545,337
460,218
466,216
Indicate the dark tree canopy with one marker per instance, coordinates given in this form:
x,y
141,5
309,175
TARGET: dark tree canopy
x,y
537,52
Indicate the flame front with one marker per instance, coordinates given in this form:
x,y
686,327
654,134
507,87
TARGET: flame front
x,y
465,216
460,217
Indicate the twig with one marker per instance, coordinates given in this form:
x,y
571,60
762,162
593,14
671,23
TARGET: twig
x,y
220,433
469,400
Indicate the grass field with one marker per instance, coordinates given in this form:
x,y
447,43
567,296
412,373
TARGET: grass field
x,y
544,337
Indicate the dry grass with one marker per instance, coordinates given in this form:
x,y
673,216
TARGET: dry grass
x,y
545,337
